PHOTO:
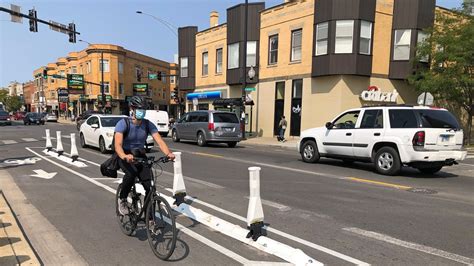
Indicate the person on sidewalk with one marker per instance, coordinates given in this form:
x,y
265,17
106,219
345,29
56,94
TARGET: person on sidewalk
x,y
283,124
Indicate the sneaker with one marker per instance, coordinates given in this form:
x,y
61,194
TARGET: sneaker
x,y
123,207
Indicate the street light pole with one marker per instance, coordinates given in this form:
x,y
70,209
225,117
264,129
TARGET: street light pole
x,y
242,108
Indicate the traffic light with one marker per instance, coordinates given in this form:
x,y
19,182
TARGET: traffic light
x,y
160,74
45,73
175,95
139,76
33,20
72,32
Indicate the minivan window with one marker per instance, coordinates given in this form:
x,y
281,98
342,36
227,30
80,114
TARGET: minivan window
x,y
193,118
437,119
204,117
225,118
402,118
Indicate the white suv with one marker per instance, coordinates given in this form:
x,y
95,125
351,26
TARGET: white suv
x,y
390,137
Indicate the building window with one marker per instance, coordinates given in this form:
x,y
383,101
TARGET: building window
x,y
105,63
88,67
219,60
120,68
233,56
322,38
280,91
344,36
184,67
164,95
172,79
401,45
297,88
422,36
251,53
296,38
62,73
205,63
74,70
53,94
365,37
163,77
121,90
272,49
106,87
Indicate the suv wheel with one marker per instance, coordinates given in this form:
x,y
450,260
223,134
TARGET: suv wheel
x,y
309,152
430,170
387,161
174,136
201,139
83,141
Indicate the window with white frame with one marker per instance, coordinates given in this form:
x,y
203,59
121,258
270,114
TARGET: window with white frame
x,y
62,73
184,67
273,49
205,63
401,45
296,39
74,70
251,53
344,36
121,89
233,56
120,68
365,37
172,79
422,36
106,87
88,67
322,38
104,63
219,61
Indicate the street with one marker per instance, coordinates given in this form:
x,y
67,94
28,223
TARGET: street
x,y
336,214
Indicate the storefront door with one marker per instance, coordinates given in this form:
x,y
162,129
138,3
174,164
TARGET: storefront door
x,y
279,105
296,106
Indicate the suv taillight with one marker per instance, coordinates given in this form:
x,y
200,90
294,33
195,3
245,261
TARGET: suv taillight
x,y
419,139
210,126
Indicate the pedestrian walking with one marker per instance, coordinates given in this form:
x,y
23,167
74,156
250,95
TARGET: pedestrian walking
x,y
282,125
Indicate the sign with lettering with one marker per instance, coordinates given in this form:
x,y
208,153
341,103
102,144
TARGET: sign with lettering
x,y
75,82
140,89
373,94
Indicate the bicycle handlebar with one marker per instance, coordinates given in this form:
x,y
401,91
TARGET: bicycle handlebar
x,y
151,160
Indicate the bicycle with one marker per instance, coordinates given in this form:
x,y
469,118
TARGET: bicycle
x,y
158,216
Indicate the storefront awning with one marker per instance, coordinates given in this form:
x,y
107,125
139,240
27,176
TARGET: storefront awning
x,y
227,102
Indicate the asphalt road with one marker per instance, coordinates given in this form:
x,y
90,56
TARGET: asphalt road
x,y
335,213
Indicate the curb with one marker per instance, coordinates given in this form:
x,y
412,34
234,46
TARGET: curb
x,y
270,145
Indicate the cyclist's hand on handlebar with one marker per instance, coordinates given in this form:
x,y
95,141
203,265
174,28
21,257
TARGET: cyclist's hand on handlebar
x,y
128,158
171,156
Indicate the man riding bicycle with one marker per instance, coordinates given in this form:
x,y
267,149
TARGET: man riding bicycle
x,y
136,131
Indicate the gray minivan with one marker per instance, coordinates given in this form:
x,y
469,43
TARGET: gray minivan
x,y
208,126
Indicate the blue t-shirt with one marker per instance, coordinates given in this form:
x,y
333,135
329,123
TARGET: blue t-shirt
x,y
136,138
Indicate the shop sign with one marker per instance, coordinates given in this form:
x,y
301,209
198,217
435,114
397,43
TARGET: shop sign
x,y
63,92
83,98
373,94
140,89
204,95
63,99
75,82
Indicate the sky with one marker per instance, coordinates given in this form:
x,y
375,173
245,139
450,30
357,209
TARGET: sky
x,y
104,21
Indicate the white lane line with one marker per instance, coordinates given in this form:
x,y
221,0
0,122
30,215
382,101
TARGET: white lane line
x,y
469,156
280,207
194,235
29,139
9,141
50,137
281,233
410,245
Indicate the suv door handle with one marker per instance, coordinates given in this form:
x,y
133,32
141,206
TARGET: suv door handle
x,y
376,134
348,134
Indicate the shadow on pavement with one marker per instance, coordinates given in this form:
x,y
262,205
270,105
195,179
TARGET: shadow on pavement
x,y
4,241
19,259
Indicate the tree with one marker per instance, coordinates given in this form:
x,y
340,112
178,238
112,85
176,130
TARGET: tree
x,y
3,96
449,73
13,103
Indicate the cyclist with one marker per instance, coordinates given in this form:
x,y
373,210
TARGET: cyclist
x,y
133,146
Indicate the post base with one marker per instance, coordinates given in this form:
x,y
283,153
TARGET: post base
x,y
256,230
74,158
60,153
179,198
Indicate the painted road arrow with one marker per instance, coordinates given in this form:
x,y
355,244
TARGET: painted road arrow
x,y
43,174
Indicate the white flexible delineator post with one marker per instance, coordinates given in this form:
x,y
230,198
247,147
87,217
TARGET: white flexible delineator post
x,y
49,144
255,210
179,190
74,153
59,146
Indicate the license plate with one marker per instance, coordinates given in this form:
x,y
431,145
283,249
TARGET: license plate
x,y
445,138
227,129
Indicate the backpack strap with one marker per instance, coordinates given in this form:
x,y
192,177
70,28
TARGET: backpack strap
x,y
147,126
127,127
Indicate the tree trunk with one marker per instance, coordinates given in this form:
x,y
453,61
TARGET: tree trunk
x,y
469,126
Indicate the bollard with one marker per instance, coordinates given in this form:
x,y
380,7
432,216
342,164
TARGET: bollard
x,y
59,146
74,153
255,210
179,190
49,145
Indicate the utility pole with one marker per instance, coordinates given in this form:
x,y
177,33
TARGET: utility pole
x,y
102,89
242,109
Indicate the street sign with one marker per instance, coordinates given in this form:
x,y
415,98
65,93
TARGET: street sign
x,y
15,18
425,98
250,89
195,101
58,27
75,81
152,76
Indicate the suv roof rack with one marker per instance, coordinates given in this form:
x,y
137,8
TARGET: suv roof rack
x,y
389,105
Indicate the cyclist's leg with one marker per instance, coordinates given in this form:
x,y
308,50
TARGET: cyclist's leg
x,y
129,178
145,176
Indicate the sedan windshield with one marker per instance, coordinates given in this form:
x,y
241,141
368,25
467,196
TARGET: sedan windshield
x,y
110,121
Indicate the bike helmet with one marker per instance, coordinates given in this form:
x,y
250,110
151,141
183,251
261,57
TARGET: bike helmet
x,y
137,103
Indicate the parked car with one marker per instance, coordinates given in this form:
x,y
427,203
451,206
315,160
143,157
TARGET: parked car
x,y
388,136
34,118
208,126
160,119
83,117
51,117
98,131
5,118
19,115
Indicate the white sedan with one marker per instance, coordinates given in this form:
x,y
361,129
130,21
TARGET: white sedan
x,y
98,131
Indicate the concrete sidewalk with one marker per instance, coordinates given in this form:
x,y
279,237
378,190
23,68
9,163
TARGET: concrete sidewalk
x,y
65,121
290,143
14,247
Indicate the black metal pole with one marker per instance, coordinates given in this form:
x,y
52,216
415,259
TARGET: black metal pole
x,y
102,90
242,109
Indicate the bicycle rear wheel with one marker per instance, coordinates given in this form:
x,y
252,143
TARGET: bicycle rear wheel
x,y
127,223
161,227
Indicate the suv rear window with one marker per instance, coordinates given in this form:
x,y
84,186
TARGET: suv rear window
x,y
225,118
437,119
402,118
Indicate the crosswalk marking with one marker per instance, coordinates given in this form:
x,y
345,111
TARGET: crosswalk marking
x,y
9,141
29,139
51,138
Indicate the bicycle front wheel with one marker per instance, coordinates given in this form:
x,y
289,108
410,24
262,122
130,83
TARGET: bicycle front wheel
x,y
161,227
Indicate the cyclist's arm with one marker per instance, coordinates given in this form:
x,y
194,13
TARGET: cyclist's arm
x,y
163,147
118,145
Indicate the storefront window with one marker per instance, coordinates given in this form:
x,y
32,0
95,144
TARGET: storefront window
x,y
233,57
280,90
296,37
251,53
273,49
297,88
401,46
184,67
365,37
344,36
322,38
